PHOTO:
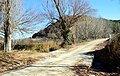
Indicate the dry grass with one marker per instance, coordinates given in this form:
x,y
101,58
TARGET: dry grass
x,y
14,60
38,45
49,46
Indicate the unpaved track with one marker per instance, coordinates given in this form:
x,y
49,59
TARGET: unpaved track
x,y
60,64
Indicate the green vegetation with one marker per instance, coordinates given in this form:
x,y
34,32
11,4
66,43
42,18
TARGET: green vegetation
x,y
115,26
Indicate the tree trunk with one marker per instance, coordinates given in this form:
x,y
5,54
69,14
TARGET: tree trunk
x,y
7,42
66,40
7,36
7,27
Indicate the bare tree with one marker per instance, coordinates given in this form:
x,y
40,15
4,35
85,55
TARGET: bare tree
x,y
67,12
91,28
15,19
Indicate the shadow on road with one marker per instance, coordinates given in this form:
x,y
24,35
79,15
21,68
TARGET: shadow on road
x,y
101,60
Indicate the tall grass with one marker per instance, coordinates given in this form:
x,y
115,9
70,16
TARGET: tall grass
x,y
40,45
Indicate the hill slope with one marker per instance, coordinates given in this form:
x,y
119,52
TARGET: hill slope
x,y
89,28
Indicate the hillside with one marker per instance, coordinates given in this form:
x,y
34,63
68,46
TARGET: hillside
x,y
88,28
51,31
115,21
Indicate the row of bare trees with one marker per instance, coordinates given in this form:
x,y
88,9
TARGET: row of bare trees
x,y
91,28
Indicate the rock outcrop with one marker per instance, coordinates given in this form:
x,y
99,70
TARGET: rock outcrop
x,y
51,31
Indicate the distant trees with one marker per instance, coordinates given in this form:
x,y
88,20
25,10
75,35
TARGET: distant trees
x,y
15,19
67,13
91,28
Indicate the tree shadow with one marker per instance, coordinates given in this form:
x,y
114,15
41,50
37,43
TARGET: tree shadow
x,y
102,60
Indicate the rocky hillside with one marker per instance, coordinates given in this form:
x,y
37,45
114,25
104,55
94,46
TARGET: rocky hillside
x,y
51,31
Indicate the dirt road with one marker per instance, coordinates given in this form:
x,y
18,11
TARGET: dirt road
x,y
58,63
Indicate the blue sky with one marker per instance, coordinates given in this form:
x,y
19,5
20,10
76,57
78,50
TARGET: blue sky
x,y
109,9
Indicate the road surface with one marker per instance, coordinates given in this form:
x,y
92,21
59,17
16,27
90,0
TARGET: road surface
x,y
60,62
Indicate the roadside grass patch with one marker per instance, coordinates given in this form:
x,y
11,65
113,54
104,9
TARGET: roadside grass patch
x,y
14,60
40,46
